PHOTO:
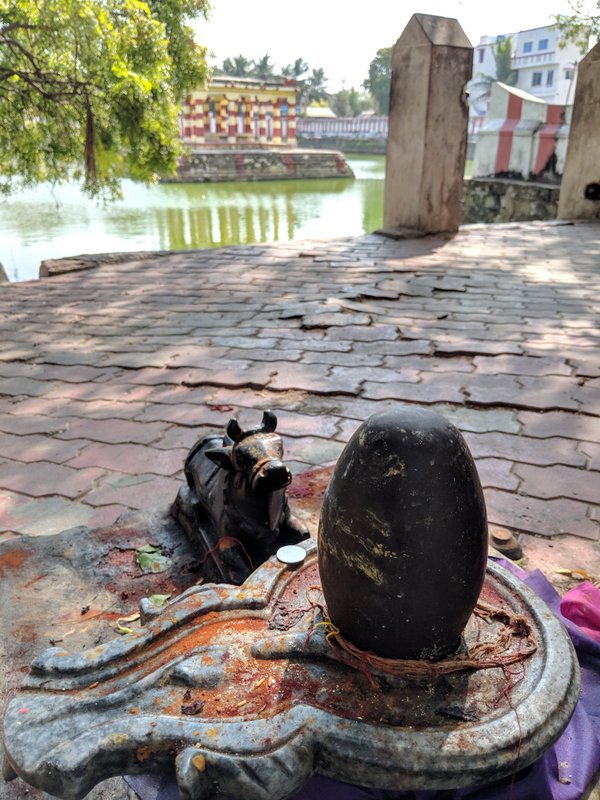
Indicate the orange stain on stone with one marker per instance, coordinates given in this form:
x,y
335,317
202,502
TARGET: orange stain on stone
x,y
13,559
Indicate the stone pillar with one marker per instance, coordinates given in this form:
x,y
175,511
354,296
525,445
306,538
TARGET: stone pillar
x,y
291,122
580,186
262,122
199,122
427,139
187,126
206,116
249,117
232,120
276,122
222,128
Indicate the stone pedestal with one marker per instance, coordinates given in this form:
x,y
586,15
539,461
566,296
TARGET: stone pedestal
x,y
427,139
239,687
580,187
242,692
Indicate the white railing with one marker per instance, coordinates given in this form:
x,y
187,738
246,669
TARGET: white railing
x,y
533,59
343,127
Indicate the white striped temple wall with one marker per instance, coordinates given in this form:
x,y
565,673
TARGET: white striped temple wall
x,y
522,137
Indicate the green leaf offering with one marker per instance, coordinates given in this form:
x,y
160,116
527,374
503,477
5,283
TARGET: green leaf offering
x,y
149,558
159,600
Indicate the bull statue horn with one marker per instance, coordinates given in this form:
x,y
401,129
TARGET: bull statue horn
x,y
269,422
233,430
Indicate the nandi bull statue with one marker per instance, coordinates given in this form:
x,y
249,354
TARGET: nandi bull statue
x,y
235,504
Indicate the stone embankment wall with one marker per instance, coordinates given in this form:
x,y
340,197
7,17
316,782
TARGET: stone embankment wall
x,y
369,146
205,166
501,200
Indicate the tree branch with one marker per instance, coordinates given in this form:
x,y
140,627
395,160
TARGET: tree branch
x,y
16,26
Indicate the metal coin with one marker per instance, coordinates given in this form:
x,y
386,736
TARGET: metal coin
x,y
291,554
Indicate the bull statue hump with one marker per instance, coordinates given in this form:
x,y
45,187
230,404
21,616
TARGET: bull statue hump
x,y
235,505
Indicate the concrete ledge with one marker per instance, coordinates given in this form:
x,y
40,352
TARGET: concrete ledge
x,y
59,266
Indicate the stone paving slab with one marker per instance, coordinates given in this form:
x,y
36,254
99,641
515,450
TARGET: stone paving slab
x,y
108,375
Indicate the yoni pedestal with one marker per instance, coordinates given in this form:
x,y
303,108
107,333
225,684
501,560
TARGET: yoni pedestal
x,y
249,690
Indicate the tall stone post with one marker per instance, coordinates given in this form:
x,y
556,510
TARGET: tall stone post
x,y
580,186
427,139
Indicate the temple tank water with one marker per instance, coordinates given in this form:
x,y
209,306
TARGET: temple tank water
x,y
58,221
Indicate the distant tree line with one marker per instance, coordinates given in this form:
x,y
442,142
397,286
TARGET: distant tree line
x,y
312,83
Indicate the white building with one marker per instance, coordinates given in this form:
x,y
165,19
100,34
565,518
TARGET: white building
x,y
544,69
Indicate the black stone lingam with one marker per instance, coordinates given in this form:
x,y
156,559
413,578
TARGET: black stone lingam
x,y
404,525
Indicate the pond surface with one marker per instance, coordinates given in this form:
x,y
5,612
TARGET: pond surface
x,y
53,222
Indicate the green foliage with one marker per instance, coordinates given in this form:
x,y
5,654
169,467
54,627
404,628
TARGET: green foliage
x,y
314,86
90,89
310,83
263,68
242,67
503,54
379,79
150,558
158,600
297,70
239,66
580,26
350,102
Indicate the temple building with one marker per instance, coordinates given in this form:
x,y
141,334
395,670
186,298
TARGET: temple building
x,y
241,111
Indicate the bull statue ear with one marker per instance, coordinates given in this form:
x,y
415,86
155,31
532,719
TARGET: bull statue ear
x,y
233,430
269,422
221,457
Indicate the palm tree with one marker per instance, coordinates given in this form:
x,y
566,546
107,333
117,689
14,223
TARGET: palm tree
x,y
295,70
239,66
503,56
315,86
263,68
480,85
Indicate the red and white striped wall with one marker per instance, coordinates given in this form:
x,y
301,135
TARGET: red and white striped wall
x,y
520,136
222,115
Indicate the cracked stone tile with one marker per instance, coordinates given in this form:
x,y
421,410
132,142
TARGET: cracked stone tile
x,y
329,320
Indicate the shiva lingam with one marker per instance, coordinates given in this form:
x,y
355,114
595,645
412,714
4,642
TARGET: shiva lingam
x,y
392,658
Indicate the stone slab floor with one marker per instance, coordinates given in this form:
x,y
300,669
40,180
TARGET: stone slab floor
x,y
109,375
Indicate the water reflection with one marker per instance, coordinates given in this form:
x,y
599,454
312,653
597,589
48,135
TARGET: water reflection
x,y
53,223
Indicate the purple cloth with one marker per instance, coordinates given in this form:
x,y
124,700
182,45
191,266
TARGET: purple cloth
x,y
562,773
582,606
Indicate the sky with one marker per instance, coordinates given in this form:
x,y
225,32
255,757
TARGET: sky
x,y
343,36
